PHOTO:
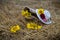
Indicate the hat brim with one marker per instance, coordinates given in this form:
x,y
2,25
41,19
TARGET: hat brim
x,y
48,22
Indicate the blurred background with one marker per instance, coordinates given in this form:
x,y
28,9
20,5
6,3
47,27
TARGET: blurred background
x,y
10,14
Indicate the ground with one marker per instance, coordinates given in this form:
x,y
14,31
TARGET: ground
x,y
10,14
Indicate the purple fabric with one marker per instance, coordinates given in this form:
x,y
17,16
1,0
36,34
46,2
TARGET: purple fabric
x,y
43,17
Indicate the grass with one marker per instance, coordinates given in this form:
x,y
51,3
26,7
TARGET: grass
x,y
10,14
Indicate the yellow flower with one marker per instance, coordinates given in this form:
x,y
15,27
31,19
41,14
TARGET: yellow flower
x,y
29,26
26,14
14,29
33,26
41,11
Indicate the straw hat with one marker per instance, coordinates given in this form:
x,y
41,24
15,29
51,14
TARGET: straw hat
x,y
47,16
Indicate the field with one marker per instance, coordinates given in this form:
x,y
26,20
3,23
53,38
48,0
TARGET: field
x,y
10,14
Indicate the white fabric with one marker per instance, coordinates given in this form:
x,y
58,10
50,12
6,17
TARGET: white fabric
x,y
47,15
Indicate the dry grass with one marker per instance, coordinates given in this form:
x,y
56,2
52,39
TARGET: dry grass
x,y
10,14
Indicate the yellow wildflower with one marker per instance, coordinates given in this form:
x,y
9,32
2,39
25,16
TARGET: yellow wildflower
x,y
41,11
29,26
15,28
33,26
26,14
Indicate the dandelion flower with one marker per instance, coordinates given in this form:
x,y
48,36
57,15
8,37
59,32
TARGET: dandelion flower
x,y
33,26
14,29
41,11
26,14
